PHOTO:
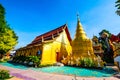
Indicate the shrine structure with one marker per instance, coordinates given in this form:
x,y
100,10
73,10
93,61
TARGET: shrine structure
x,y
51,46
81,44
82,50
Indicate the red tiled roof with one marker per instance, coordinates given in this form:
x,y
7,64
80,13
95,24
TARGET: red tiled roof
x,y
49,35
115,38
118,35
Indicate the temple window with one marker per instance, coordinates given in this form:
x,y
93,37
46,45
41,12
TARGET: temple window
x,y
39,53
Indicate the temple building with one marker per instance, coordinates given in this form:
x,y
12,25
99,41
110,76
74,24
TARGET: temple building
x,y
81,44
51,46
97,47
115,40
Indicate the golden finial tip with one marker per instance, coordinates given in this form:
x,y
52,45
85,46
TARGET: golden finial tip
x,y
78,16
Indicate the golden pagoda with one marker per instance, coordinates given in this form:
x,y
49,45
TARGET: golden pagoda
x,y
82,51
81,44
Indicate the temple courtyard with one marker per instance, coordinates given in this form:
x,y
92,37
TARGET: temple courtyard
x,y
31,74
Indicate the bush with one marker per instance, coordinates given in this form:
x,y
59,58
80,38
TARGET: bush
x,y
82,63
4,60
4,74
87,62
33,59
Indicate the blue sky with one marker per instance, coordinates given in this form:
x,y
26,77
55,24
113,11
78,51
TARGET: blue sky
x,y
30,18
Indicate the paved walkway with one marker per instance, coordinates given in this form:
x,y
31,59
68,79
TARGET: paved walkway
x,y
34,75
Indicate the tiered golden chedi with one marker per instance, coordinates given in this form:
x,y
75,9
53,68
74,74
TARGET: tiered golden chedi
x,y
81,45
82,51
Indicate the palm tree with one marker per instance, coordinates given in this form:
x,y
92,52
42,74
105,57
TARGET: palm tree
x,y
118,7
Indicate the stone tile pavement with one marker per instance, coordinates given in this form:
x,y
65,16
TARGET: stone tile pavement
x,y
34,75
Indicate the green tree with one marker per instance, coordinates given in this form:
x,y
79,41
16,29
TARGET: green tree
x,y
106,31
8,38
118,7
106,46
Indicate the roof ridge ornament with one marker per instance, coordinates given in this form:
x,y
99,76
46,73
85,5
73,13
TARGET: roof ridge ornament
x,y
58,32
78,17
52,36
42,39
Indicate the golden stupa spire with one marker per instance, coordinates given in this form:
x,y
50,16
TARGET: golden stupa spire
x,y
81,45
80,33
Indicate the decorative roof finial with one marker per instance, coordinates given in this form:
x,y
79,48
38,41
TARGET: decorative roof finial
x,y
42,39
78,16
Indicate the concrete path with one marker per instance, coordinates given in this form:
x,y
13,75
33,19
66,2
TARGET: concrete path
x,y
35,75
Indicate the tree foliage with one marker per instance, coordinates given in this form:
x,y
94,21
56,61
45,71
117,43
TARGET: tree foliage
x,y
8,38
106,46
118,7
106,31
